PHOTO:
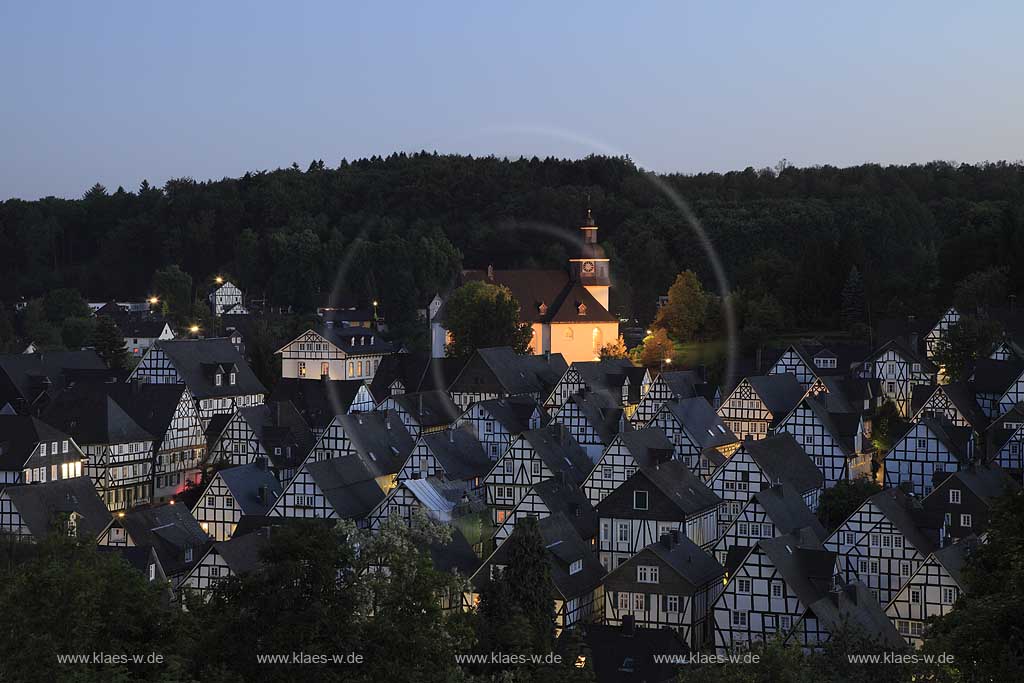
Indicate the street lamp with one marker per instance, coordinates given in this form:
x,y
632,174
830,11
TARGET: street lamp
x,y
153,301
194,329
219,280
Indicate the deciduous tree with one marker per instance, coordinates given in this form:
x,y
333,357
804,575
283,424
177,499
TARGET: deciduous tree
x,y
480,315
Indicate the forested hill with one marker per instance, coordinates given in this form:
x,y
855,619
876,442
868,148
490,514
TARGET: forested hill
x,y
403,224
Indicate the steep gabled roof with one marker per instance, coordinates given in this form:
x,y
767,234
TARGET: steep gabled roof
x,y
459,452
356,340
348,484
647,446
523,374
438,498
513,413
242,553
785,507
688,560
960,394
92,414
681,486
39,504
279,425
455,555
996,376
920,528
602,414
560,452
780,393
904,349
245,483
954,556
855,605
783,460
956,439
27,375
317,402
428,408
552,288
170,529
805,566
569,499
842,426
987,482
701,422
198,360
19,436
380,439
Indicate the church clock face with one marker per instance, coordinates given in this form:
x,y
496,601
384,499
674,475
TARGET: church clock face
x,y
588,267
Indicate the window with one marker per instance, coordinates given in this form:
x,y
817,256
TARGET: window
x,y
218,379
949,596
188,553
325,369
211,501
64,446
743,528
639,500
904,569
876,540
755,530
623,600
535,468
576,567
152,571
776,589
232,379
605,531
916,628
630,471
672,603
922,444
229,502
915,596
785,621
954,496
903,626
849,538
739,618
623,532
743,585
965,521
887,541
639,601
42,450
916,367
606,472
488,427
214,572
646,574
897,542
508,466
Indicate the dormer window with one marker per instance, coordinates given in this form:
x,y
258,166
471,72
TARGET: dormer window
x,y
233,378
218,379
576,567
543,308
188,553
581,309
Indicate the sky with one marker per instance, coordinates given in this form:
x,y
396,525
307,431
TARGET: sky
x,y
117,92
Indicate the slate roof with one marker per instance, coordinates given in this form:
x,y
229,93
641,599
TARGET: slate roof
x,y
93,413
560,452
564,547
454,556
920,528
960,394
169,529
848,394
609,375
19,436
459,452
855,605
438,498
904,348
245,482
517,374
512,412
986,481
783,460
242,553
380,439
847,355
701,422
681,486
804,564
647,446
996,376
415,371
956,439
317,401
570,500
141,327
367,341
785,507
843,427
348,484
197,360
954,556
428,408
688,560
279,425
553,288
609,648
152,406
602,414
780,393
24,376
39,503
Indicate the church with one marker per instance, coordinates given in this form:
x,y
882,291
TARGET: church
x,y
567,309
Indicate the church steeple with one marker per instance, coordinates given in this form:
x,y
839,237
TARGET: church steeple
x,y
591,267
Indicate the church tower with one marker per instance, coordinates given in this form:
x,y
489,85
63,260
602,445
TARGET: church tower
x,y
591,267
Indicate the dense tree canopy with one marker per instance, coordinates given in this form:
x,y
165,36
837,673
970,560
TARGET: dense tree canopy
x,y
399,226
480,315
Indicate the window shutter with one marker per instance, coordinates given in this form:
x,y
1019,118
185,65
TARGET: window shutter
x,y
647,601
664,603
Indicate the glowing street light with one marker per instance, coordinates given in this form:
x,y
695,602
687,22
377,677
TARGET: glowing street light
x,y
153,301
219,280
194,329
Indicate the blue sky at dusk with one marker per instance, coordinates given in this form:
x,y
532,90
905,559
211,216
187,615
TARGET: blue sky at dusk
x,y
115,92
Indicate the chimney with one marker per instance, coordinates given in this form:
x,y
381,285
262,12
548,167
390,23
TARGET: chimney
x,y
263,495
451,435
674,533
490,273
277,413
627,625
420,397
666,540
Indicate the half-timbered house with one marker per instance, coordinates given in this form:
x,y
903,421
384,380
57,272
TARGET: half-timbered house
x,y
900,368
250,489
225,297
1005,442
931,591
757,465
930,448
964,499
592,419
500,372
668,385
622,459
850,607
837,442
659,498
379,439
319,402
938,331
32,451
423,412
498,421
758,404
118,450
454,455
29,380
217,376
335,353
273,433
884,542
552,496
68,507
533,457
770,588
623,383
999,385
336,488
955,402
671,583
813,360
775,511
170,529
700,438
235,557
575,573
427,498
